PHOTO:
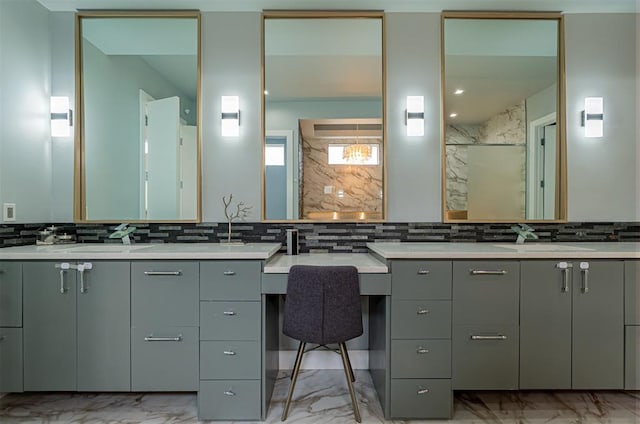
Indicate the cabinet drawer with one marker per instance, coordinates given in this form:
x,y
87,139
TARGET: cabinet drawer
x,y
11,360
230,280
10,294
421,319
486,292
164,359
421,359
229,400
421,280
230,320
164,294
230,360
632,357
632,292
485,357
426,398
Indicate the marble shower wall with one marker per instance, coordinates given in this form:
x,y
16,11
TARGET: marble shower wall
x,y
507,127
355,188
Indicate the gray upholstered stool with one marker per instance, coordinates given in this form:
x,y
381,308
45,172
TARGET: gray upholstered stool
x,y
322,307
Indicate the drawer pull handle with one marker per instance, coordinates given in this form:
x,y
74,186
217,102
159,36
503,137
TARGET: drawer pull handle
x,y
584,268
229,352
423,391
229,273
422,350
229,313
162,273
423,272
422,311
488,271
229,393
496,337
151,338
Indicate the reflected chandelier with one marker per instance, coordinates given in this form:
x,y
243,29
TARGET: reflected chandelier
x,y
357,153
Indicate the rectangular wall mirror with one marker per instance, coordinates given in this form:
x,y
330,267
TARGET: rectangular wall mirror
x,y
504,145
324,144
137,135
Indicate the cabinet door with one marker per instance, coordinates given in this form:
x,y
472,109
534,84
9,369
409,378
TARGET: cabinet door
x,y
598,325
545,326
10,360
104,328
10,294
49,327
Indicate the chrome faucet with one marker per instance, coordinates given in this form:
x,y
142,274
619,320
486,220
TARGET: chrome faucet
x,y
524,232
122,232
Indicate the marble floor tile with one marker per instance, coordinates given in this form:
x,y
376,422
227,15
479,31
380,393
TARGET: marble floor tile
x,y
321,396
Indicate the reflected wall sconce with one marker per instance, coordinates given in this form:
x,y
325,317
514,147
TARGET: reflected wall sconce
x,y
230,116
61,116
593,117
414,116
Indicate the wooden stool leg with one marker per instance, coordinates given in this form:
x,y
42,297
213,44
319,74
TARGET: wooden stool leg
x,y
346,365
296,370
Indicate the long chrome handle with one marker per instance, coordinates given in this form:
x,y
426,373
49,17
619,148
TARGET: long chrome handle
x,y
422,271
481,337
229,393
422,311
422,350
422,391
584,268
63,289
81,269
564,267
229,352
488,271
228,273
160,273
228,313
152,338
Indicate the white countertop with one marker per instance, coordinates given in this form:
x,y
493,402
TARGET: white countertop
x,y
418,250
98,251
365,263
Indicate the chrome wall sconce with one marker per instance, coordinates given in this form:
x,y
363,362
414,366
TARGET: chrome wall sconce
x,y
593,117
61,116
414,116
230,116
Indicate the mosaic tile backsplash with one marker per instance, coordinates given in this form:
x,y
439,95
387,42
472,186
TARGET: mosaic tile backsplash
x,y
329,237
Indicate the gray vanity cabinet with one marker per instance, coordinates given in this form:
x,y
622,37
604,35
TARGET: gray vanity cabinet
x,y
571,325
632,325
485,325
76,332
230,340
421,339
10,327
164,326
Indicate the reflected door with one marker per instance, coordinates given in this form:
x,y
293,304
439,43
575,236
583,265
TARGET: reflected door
x,y
163,137
276,177
549,183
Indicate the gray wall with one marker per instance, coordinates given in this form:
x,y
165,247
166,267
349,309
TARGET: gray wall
x,y
637,167
601,60
25,88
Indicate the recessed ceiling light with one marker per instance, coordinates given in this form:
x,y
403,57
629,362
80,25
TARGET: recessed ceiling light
x,y
458,91
453,115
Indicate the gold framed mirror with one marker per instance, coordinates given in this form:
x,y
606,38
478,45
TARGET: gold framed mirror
x,y
323,127
137,151
504,148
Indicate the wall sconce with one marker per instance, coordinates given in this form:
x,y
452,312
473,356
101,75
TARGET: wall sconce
x,y
61,117
414,116
230,116
593,117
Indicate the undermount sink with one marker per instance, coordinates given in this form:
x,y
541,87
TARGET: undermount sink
x,y
106,248
543,247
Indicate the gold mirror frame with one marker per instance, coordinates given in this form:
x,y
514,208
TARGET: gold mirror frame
x,y
561,151
79,207
299,14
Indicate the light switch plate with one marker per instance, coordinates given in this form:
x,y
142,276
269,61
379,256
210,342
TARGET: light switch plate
x,y
8,212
